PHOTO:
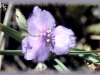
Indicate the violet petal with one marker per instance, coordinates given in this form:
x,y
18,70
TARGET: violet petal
x,y
35,49
64,40
40,20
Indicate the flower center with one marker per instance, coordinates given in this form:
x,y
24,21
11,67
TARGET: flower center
x,y
48,38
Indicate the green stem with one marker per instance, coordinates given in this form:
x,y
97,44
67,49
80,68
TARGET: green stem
x,y
84,52
11,52
19,52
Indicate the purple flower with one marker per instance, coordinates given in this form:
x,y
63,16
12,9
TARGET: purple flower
x,y
48,37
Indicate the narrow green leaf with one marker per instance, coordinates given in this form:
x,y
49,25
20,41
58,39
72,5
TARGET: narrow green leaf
x,y
57,67
77,51
88,55
61,65
11,32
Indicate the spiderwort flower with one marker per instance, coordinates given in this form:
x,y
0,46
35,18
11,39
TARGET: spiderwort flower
x,y
48,37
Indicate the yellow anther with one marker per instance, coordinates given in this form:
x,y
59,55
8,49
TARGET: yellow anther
x,y
48,31
48,35
48,40
44,34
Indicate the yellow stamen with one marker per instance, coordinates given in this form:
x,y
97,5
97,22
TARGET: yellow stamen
x,y
44,34
48,40
48,35
48,31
